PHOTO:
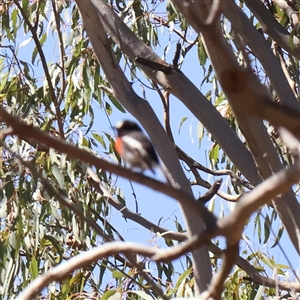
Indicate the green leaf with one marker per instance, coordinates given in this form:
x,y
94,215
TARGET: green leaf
x,y
58,175
142,294
43,39
117,104
181,123
182,278
108,294
100,139
34,54
267,226
266,260
118,275
202,55
33,268
278,236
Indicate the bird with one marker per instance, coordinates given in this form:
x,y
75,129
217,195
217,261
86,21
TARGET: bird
x,y
135,147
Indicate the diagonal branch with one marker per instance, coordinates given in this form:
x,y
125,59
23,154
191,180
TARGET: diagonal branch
x,y
127,213
261,195
274,29
45,67
83,260
261,49
244,93
178,85
98,12
25,131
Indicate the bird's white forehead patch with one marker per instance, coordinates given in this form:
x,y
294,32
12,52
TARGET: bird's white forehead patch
x,y
119,124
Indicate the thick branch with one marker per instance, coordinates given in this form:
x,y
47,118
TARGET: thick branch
x,y
189,94
262,194
271,27
25,131
98,12
84,260
261,49
244,94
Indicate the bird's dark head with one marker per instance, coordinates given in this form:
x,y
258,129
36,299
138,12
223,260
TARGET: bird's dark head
x,y
124,127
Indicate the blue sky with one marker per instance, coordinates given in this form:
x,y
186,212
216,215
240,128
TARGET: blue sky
x,y
152,205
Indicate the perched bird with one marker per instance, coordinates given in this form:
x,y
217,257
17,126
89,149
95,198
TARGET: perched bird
x,y
135,147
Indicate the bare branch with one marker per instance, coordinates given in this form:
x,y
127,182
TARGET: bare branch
x,y
289,11
214,14
184,156
181,87
177,55
26,131
211,192
255,277
245,207
127,213
98,12
193,165
261,195
156,66
284,66
261,49
243,94
84,260
229,258
191,244
273,28
45,67
6,132
164,233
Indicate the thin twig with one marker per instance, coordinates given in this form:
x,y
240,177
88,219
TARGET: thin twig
x,y
163,22
165,68
229,258
211,192
95,181
25,131
61,53
45,67
83,260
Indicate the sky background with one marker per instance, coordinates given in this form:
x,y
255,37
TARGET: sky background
x,y
154,206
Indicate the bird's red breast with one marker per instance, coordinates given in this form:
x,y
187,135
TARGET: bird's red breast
x,y
119,146
134,147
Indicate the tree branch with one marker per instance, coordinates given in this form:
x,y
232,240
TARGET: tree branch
x,y
84,260
289,11
25,131
98,12
94,180
262,194
271,27
181,87
244,94
261,49
45,67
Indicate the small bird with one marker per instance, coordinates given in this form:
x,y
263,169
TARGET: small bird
x,y
135,147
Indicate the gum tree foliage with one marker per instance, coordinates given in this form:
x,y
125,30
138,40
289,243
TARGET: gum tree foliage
x,y
51,78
